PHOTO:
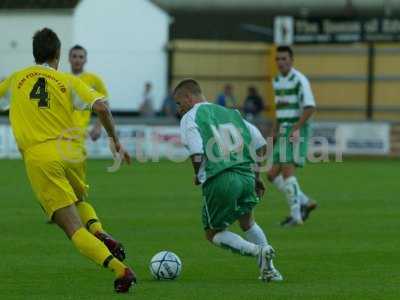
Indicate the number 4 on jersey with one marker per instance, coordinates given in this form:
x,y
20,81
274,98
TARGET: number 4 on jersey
x,y
40,93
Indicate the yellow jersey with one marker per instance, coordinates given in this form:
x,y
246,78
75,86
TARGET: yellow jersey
x,y
42,102
82,118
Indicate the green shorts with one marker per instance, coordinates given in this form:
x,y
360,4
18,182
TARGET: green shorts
x,y
226,197
288,152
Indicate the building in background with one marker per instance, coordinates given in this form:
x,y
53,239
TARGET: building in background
x,y
126,42
350,50
355,77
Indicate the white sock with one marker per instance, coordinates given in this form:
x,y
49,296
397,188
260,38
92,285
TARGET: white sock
x,y
256,235
292,194
303,198
279,182
235,243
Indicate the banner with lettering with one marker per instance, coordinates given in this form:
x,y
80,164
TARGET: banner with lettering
x,y
346,30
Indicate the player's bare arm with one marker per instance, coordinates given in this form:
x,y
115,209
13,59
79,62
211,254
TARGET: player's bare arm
x,y
107,121
259,183
307,114
197,160
95,133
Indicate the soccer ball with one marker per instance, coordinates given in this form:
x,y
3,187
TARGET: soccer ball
x,y
165,265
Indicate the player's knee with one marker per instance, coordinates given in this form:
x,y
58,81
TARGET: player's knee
x,y
288,171
246,225
210,235
271,176
67,219
273,173
246,221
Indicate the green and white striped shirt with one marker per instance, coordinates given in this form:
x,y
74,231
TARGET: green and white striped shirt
x,y
225,139
292,94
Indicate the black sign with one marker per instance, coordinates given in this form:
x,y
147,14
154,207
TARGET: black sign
x,y
346,31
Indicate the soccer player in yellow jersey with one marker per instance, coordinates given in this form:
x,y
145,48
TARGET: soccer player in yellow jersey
x,y
42,101
77,60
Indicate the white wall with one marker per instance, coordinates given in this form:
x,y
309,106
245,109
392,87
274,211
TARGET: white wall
x,y
17,29
125,40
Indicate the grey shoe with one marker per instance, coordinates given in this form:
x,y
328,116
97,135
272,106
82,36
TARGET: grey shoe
x,y
307,209
290,222
265,257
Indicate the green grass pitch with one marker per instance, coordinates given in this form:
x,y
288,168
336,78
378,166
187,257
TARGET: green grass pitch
x,y
349,249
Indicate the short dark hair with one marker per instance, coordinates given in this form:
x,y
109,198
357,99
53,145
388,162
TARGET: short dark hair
x,y
285,49
190,85
77,47
46,45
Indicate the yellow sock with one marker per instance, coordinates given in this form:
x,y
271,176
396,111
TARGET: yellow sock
x,y
94,249
117,266
89,217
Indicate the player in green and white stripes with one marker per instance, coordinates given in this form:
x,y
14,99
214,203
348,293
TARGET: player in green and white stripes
x,y
224,149
295,105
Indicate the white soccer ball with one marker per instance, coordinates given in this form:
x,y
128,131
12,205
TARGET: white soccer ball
x,y
165,265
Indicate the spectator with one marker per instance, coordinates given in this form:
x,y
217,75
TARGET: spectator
x,y
146,108
253,104
169,108
227,98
